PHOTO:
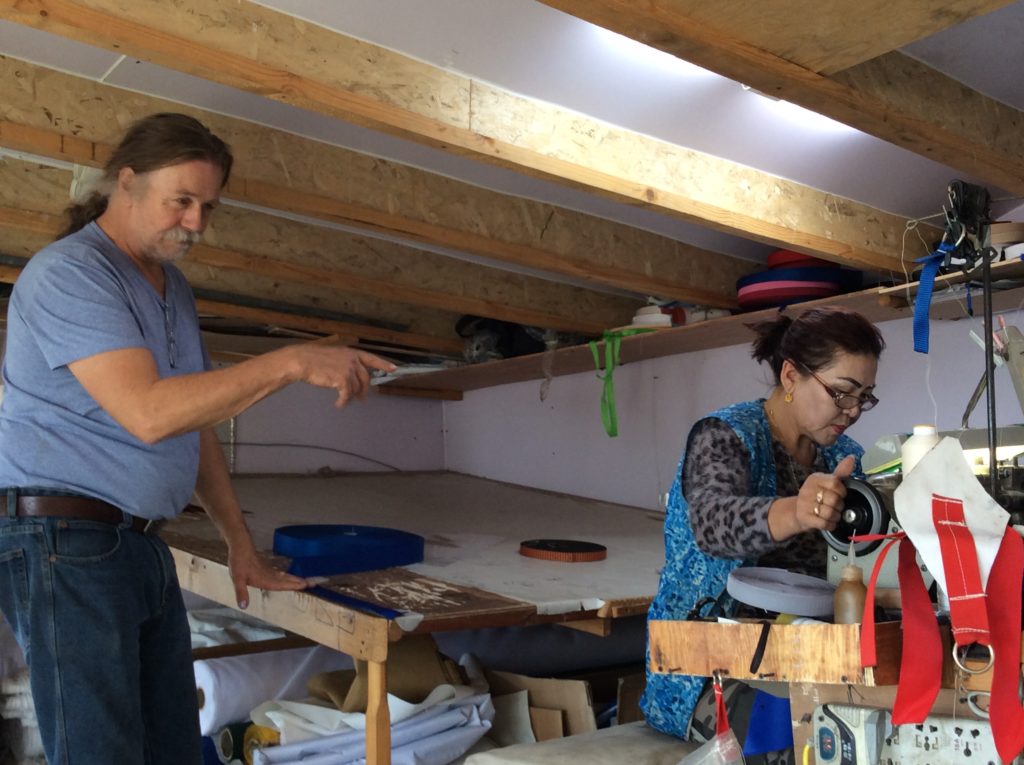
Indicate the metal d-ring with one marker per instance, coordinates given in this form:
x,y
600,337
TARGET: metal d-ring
x,y
972,703
979,671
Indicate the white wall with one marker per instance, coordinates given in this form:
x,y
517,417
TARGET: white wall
x,y
508,434
379,433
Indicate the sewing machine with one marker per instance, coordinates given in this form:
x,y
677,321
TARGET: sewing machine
x,y
870,508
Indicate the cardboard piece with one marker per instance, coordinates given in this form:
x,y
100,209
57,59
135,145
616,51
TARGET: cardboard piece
x,y
631,688
571,697
512,722
331,687
547,723
415,669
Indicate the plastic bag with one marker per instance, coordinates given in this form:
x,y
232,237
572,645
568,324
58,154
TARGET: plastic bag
x,y
723,749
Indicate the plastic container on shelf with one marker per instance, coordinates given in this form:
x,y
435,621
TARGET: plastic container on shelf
x,y
851,593
924,438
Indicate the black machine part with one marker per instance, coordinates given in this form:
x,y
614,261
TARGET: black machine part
x,y
870,507
867,511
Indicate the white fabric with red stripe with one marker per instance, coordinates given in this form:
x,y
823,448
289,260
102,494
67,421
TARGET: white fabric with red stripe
x,y
962,536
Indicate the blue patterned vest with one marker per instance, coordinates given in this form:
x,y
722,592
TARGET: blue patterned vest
x,y
690,574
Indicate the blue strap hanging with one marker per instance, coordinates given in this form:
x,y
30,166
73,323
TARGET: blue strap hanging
x,y
924,293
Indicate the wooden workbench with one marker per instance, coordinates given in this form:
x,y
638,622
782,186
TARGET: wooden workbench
x,y
472,575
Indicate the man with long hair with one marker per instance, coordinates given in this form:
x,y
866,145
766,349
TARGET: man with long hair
x,y
107,427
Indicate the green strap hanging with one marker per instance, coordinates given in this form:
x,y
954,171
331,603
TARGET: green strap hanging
x,y
612,341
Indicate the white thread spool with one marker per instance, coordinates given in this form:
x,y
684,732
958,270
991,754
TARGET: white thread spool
x,y
924,438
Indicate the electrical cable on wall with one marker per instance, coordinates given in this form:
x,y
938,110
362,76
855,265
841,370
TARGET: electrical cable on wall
x,y
319,448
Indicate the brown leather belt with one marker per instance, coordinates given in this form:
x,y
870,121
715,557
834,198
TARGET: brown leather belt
x,y
80,508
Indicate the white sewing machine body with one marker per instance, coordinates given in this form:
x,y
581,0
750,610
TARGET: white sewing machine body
x,y
870,507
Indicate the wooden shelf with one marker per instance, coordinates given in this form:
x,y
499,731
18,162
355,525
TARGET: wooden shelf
x,y
1008,269
804,653
876,304
812,653
664,342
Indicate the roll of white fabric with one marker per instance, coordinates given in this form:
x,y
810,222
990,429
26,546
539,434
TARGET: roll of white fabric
x,y
231,687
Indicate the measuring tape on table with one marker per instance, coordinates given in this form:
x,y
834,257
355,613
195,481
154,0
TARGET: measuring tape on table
x,y
563,550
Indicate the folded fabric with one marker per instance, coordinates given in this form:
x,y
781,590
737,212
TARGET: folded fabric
x,y
301,721
770,729
224,626
435,735
298,721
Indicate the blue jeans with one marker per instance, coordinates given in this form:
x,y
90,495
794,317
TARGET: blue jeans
x,y
99,614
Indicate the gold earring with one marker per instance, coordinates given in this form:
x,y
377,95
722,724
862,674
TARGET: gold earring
x,y
788,398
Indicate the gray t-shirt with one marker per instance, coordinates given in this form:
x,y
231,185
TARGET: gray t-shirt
x,y
76,298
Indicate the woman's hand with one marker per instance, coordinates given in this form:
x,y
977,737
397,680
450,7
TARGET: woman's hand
x,y
817,507
820,502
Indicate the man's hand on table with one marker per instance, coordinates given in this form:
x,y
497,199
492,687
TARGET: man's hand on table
x,y
249,570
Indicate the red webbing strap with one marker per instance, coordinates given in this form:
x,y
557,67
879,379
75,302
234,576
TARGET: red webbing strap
x,y
967,605
868,652
1004,590
721,718
921,660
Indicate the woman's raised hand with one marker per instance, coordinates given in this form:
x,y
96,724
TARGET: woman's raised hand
x,y
820,502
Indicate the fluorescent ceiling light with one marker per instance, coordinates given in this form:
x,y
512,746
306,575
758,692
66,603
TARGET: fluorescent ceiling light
x,y
637,53
798,115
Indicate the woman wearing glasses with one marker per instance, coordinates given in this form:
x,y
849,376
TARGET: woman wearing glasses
x,y
758,480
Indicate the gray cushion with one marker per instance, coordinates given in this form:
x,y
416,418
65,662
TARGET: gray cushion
x,y
632,743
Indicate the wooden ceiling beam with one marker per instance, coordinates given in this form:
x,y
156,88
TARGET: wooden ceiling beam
x,y
350,282
330,327
828,36
332,210
308,178
43,189
343,281
891,96
280,57
346,331
309,301
375,274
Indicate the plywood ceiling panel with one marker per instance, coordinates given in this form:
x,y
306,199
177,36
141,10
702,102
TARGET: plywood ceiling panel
x,y
827,36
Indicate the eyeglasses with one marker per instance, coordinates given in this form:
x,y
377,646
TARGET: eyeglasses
x,y
845,400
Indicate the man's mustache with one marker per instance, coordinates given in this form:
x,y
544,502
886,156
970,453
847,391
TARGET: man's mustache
x,y
181,235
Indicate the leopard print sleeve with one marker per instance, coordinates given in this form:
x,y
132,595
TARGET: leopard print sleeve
x,y
727,522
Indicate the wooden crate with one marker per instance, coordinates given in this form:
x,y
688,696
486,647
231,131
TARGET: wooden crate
x,y
818,653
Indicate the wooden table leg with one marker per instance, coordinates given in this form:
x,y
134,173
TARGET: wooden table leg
x,y
378,720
